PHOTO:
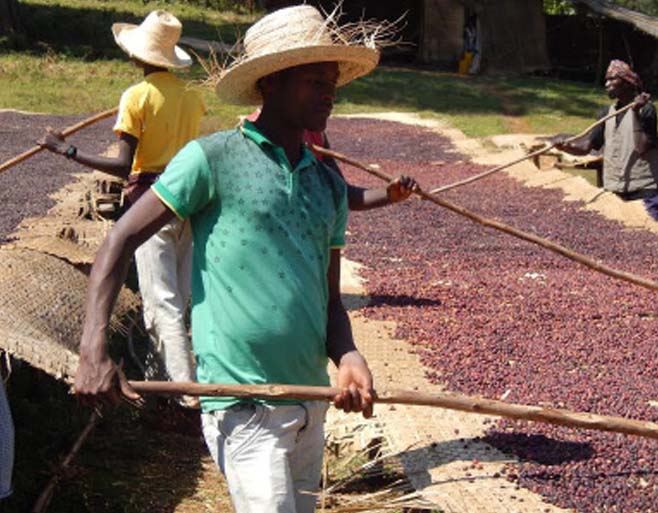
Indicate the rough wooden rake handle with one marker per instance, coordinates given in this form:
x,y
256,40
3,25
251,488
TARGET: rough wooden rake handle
x,y
41,505
442,400
545,243
66,132
536,153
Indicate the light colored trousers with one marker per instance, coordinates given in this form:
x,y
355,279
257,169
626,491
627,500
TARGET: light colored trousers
x,y
271,455
6,444
164,265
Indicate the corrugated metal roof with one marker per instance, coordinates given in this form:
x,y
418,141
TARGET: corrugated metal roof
x,y
643,22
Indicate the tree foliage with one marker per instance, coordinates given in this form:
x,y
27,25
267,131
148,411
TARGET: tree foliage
x,y
9,22
567,6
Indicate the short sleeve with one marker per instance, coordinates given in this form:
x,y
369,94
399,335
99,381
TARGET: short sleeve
x,y
186,185
129,118
340,224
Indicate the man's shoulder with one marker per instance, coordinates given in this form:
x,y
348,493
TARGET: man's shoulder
x,y
136,94
334,180
214,144
137,89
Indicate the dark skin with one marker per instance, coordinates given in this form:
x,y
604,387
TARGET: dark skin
x,y
625,93
294,101
119,166
360,198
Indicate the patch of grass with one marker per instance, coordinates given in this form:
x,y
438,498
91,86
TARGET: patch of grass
x,y
82,70
476,105
60,84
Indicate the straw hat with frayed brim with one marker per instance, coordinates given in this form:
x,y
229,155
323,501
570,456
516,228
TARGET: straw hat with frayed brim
x,y
290,37
154,40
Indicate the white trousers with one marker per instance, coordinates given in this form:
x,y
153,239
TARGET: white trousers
x,y
271,456
164,265
6,444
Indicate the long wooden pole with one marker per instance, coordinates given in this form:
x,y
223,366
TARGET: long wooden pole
x,y
541,151
41,505
443,400
545,243
66,132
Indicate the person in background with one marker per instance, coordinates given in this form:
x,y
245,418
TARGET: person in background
x,y
156,118
629,140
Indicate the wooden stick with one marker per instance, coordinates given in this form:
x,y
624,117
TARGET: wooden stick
x,y
67,131
531,155
443,400
46,495
545,243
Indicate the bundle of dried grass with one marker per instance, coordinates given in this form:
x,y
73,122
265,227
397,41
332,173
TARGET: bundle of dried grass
x,y
366,479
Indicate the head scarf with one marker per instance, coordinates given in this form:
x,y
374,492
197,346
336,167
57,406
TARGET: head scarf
x,y
622,70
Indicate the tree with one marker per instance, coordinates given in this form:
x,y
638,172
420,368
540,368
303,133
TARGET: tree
x,y
9,19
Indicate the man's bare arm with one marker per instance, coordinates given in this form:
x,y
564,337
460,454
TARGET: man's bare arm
x,y
578,148
354,377
119,166
98,377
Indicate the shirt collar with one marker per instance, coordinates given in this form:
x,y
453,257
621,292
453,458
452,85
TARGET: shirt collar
x,y
157,75
251,131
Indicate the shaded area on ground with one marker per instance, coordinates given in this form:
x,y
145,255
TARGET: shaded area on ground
x,y
510,317
24,188
135,461
93,38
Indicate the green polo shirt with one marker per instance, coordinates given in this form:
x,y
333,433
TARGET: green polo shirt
x,y
262,238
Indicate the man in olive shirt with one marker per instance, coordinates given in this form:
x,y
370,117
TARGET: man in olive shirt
x,y
629,140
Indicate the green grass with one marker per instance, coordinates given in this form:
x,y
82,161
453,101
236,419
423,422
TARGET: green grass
x,y
476,105
60,84
64,84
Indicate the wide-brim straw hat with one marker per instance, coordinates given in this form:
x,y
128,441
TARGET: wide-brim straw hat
x,y
291,37
154,40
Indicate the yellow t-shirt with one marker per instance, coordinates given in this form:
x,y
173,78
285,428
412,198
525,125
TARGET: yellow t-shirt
x,y
163,114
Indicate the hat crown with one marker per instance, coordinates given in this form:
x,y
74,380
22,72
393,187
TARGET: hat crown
x,y
285,29
162,28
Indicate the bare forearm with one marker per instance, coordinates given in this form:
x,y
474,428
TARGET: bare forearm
x,y
113,166
118,166
339,332
576,148
105,281
141,221
359,198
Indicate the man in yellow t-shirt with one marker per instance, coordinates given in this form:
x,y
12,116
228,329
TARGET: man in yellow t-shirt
x,y
157,117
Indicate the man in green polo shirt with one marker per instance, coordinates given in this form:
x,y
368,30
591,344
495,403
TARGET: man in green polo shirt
x,y
268,221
